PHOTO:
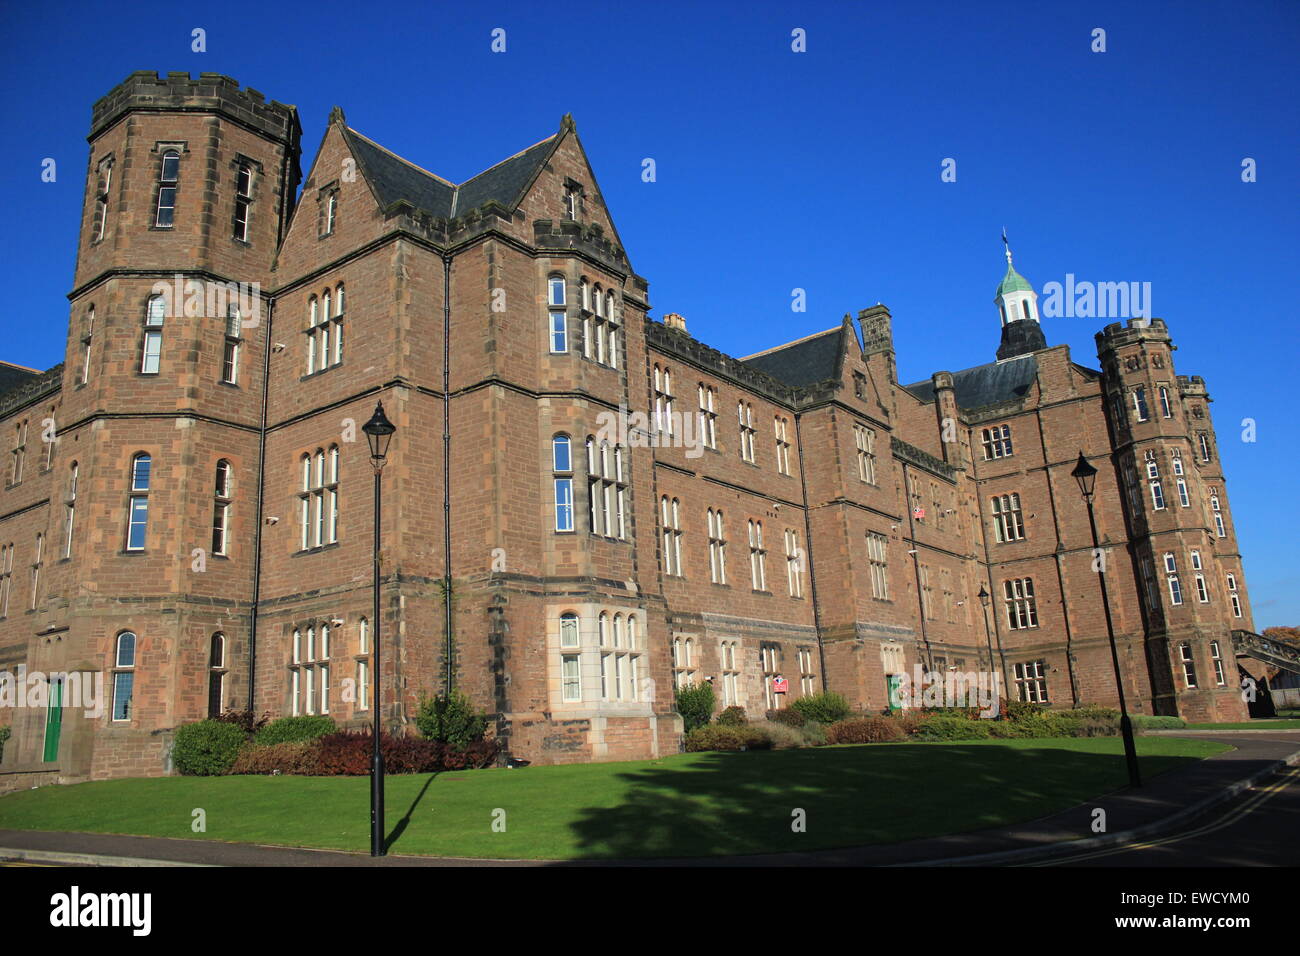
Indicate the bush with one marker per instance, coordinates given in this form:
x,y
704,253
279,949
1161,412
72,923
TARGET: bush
x,y
783,736
294,730
1151,722
953,727
695,704
864,730
909,721
245,720
207,748
4,735
296,757
814,734
732,717
825,707
726,738
791,718
1096,712
451,719
1020,710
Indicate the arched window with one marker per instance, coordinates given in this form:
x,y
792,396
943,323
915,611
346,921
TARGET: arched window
x,y
102,183
230,353
221,509
313,313
602,629
39,555
1024,307
138,503
559,326
70,510
216,674
243,200
123,675
85,346
318,501
562,468
338,324
363,664
169,169
151,347
569,629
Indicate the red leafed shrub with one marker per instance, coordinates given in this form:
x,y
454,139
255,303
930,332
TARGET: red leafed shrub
x,y
348,753
297,757
864,730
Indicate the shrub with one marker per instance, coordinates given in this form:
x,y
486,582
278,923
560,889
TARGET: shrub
x,y
4,735
245,720
814,734
953,727
1010,729
1019,709
294,730
451,719
1096,712
732,717
864,730
695,704
1151,722
207,748
789,717
297,757
783,736
825,707
909,721
713,737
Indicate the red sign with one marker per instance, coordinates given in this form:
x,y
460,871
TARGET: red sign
x,y
919,514
780,685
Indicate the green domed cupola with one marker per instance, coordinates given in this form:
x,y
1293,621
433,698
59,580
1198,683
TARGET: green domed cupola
x,y
1017,303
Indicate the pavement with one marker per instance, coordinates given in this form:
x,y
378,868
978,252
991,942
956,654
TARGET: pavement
x,y
1225,784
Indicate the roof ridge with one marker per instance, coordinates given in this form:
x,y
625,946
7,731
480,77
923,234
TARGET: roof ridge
x,y
401,159
777,348
25,368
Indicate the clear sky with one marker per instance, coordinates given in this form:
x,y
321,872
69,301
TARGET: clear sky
x,y
778,170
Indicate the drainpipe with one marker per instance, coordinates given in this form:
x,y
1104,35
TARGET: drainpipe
x,y
916,566
446,464
808,538
261,496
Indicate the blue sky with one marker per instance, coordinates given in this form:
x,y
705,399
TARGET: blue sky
x,y
779,170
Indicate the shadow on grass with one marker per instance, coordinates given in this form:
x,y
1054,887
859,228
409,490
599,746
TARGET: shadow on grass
x,y
396,833
746,803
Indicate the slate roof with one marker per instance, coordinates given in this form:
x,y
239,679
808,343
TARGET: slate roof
x,y
19,385
804,361
15,376
986,384
394,179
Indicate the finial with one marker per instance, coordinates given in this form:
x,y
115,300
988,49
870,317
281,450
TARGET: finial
x,y
1007,244
336,116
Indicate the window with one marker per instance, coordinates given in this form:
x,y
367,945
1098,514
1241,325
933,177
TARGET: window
x,y
1031,682
612,319
123,676
569,629
327,203
782,446
606,489
1153,480
243,200
1171,576
230,351
85,346
138,503
559,319
1007,524
927,593
1216,658
730,675
39,554
363,664
324,331
683,661
708,417
571,677
1166,408
807,678
745,413
997,442
1140,403
562,466
876,555
151,347
103,181
619,665
1233,595
1183,498
670,524
169,168
663,384
1219,529
570,203
793,564
318,501
757,556
19,453
309,671
1022,607
717,547
1203,442
1202,592
599,332
1189,665
771,656
6,577
221,509
70,510
216,674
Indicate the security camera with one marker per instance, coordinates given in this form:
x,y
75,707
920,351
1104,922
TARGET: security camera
x,y
272,520
277,347
336,622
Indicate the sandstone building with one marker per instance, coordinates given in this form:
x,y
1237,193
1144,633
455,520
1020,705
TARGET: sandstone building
x,y
187,499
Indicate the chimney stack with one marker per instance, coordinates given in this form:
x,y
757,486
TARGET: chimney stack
x,y
674,321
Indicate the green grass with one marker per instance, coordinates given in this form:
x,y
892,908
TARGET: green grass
x,y
684,805
1249,725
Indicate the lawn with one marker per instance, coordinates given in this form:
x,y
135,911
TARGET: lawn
x,y
1249,725
684,805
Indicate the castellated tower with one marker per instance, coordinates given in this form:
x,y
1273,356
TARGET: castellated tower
x,y
189,185
1183,541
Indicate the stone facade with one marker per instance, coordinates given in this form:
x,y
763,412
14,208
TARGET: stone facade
x,y
875,499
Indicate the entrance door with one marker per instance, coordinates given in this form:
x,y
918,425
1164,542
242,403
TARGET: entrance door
x,y
893,682
53,720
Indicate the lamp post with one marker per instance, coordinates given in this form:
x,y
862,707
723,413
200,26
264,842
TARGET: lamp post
x,y
1086,476
379,432
988,637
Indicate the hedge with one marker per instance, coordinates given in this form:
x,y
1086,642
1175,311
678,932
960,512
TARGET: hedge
x,y
294,729
714,737
207,748
825,707
864,730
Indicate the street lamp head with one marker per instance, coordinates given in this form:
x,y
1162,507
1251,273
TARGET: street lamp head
x,y
379,432
1085,475
984,596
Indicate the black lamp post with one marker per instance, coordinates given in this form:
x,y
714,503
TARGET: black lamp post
x,y
379,433
1086,476
988,637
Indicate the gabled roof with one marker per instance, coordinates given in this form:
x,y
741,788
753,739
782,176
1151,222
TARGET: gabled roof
x,y
394,179
986,384
805,361
15,376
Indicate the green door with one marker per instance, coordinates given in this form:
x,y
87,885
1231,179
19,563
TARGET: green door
x,y
54,720
893,682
